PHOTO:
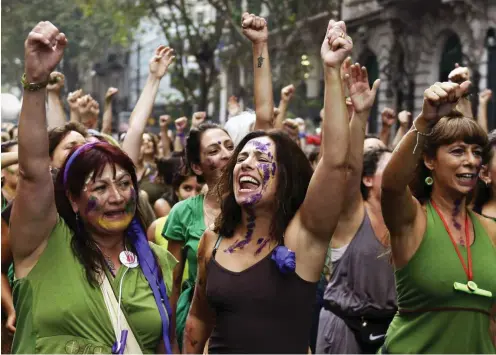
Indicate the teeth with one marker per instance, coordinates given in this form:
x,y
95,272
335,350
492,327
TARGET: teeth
x,y
468,176
248,179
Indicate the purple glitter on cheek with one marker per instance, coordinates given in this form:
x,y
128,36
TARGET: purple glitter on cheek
x,y
92,204
266,173
273,169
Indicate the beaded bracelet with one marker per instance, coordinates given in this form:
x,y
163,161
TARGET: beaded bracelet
x,y
32,86
419,133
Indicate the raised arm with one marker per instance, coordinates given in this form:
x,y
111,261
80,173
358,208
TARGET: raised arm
x,y
107,111
7,302
362,98
255,29
158,67
400,209
388,117
311,229
484,98
200,321
30,222
286,95
404,118
55,110
180,141
164,122
72,100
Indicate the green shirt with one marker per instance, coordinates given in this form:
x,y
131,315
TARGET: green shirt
x,y
59,311
427,282
185,224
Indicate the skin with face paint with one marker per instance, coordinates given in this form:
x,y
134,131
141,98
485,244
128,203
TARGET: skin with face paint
x,y
216,148
255,178
108,202
64,147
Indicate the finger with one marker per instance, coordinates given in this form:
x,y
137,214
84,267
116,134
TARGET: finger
x,y
338,43
61,40
159,49
463,88
359,72
457,65
347,79
443,95
37,37
365,75
375,87
354,73
330,25
431,96
341,25
450,88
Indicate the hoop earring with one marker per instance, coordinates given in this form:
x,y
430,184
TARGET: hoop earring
x,y
429,181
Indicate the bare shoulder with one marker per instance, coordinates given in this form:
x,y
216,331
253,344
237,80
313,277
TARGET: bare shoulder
x,y
489,225
206,246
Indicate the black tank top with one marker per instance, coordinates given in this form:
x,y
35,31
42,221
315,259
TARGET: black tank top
x,y
259,310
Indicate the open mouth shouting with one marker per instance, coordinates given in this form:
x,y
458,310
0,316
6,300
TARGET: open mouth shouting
x,y
248,183
466,179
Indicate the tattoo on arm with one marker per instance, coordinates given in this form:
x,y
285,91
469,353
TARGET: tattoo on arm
x,y
260,61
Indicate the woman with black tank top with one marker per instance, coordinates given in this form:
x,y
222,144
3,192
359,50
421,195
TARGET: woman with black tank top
x,y
257,273
485,201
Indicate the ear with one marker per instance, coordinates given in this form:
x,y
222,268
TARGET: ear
x,y
368,181
484,174
197,169
429,163
73,203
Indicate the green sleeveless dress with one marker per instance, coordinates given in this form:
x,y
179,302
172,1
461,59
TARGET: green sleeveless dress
x,y
426,282
59,312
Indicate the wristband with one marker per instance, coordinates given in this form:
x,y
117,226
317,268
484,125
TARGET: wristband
x,y
32,86
302,135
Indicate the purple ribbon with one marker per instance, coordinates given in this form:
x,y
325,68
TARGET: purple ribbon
x,y
150,270
285,259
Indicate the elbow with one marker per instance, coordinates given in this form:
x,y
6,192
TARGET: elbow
x,y
337,162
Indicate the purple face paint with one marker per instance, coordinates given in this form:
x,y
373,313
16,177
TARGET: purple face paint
x,y
92,204
263,147
262,245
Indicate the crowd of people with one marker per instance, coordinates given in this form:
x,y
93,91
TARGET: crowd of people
x,y
255,237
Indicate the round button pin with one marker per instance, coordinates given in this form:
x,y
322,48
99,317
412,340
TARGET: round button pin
x,y
472,286
128,259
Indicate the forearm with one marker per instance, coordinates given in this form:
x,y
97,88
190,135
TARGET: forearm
x,y
482,116
405,158
107,118
55,110
283,107
196,334
9,158
74,116
139,117
264,100
385,134
399,135
358,126
33,138
7,302
179,142
335,126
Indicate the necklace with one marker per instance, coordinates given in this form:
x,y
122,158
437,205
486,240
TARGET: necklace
x,y
470,287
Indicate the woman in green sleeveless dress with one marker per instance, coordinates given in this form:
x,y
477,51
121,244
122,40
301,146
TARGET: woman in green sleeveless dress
x,y
444,254
85,275
485,200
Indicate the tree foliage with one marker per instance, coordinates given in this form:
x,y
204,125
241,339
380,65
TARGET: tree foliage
x,y
91,26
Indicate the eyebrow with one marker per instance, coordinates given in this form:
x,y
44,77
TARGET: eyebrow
x,y
118,177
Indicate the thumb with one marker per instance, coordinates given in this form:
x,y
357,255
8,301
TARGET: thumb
x,y
375,86
463,89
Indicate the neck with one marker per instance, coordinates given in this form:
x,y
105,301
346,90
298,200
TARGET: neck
x,y
255,224
148,159
374,207
453,206
374,210
211,200
110,245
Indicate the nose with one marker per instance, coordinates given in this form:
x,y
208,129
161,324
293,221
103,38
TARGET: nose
x,y
472,159
248,163
225,153
115,196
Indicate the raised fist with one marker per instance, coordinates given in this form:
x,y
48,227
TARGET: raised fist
x,y
290,126
94,107
84,104
110,93
388,116
56,81
459,74
441,98
72,99
254,28
43,50
198,118
337,45
164,120
287,92
485,96
181,124
404,118
160,61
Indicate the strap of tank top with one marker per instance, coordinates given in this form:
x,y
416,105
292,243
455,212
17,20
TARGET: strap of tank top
x,y
216,246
